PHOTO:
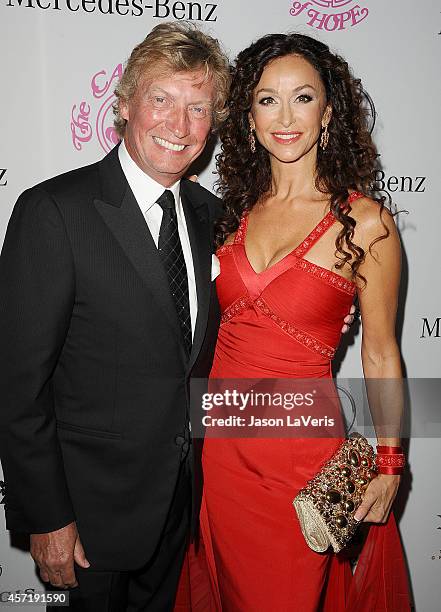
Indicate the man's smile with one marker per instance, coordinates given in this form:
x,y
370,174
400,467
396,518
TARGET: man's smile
x,y
169,145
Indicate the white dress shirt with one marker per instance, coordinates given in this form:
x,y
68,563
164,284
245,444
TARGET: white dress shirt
x,y
146,192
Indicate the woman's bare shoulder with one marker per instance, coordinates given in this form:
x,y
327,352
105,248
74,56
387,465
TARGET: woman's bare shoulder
x,y
372,220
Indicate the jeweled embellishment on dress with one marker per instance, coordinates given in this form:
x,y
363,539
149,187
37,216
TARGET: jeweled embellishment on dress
x,y
326,275
313,236
226,249
309,341
236,307
241,229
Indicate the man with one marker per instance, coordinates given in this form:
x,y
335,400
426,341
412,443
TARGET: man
x,y
107,308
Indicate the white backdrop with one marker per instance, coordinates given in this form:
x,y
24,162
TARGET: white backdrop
x,y
60,61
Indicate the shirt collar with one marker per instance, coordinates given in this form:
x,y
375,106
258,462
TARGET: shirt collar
x,y
145,189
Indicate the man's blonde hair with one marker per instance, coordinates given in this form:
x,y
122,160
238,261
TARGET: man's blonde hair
x,y
175,47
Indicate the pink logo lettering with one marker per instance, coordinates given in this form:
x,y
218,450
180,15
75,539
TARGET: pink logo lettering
x,y
80,126
101,88
332,3
329,21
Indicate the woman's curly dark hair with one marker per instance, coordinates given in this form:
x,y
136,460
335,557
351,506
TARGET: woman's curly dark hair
x,y
346,164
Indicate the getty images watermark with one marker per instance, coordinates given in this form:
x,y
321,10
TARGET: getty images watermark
x,y
251,403
266,408
302,408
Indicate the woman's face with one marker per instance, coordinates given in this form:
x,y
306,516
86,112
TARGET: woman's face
x,y
289,108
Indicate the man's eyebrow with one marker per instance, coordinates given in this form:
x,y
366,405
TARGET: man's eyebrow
x,y
155,88
203,101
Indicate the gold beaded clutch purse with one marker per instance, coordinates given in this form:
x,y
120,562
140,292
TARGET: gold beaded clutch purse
x,y
326,505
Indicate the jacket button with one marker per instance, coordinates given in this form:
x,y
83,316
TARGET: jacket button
x,y
179,440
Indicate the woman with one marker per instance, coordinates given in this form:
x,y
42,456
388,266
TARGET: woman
x,y
299,239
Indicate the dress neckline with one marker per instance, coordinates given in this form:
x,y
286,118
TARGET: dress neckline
x,y
301,249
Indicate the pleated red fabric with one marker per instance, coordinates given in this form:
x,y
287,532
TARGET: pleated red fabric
x,y
282,323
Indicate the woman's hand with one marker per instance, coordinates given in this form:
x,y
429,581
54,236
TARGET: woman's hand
x,y
378,499
348,320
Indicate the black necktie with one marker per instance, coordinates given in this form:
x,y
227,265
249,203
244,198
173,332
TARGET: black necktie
x,y
172,256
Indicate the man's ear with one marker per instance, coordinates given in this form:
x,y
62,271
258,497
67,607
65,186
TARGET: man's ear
x,y
124,109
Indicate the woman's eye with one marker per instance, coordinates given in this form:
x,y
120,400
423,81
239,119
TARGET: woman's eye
x,y
304,98
266,101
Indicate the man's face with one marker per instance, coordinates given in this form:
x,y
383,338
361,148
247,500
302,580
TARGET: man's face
x,y
168,123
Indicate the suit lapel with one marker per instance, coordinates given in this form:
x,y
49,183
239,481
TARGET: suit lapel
x,y
123,217
197,220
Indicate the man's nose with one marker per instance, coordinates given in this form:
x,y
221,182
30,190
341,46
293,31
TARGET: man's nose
x,y
178,122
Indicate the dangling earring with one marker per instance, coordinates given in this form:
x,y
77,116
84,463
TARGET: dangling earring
x,y
324,138
251,139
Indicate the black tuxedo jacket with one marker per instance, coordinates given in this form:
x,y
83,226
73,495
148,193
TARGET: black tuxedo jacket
x,y
93,373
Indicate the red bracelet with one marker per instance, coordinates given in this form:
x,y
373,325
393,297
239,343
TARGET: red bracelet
x,y
390,460
390,450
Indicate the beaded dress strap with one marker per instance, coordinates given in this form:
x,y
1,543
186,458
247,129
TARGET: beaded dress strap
x,y
312,237
241,230
322,227
355,195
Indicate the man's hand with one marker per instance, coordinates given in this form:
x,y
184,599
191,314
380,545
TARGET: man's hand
x,y
55,553
348,320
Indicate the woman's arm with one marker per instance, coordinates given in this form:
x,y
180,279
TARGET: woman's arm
x,y
380,353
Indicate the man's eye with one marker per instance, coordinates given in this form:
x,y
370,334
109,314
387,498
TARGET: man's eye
x,y
198,111
159,101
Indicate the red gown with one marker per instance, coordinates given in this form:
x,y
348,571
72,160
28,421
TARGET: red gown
x,y
284,322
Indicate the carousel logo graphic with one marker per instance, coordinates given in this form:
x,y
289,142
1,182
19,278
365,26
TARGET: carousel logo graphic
x,y
330,15
94,118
